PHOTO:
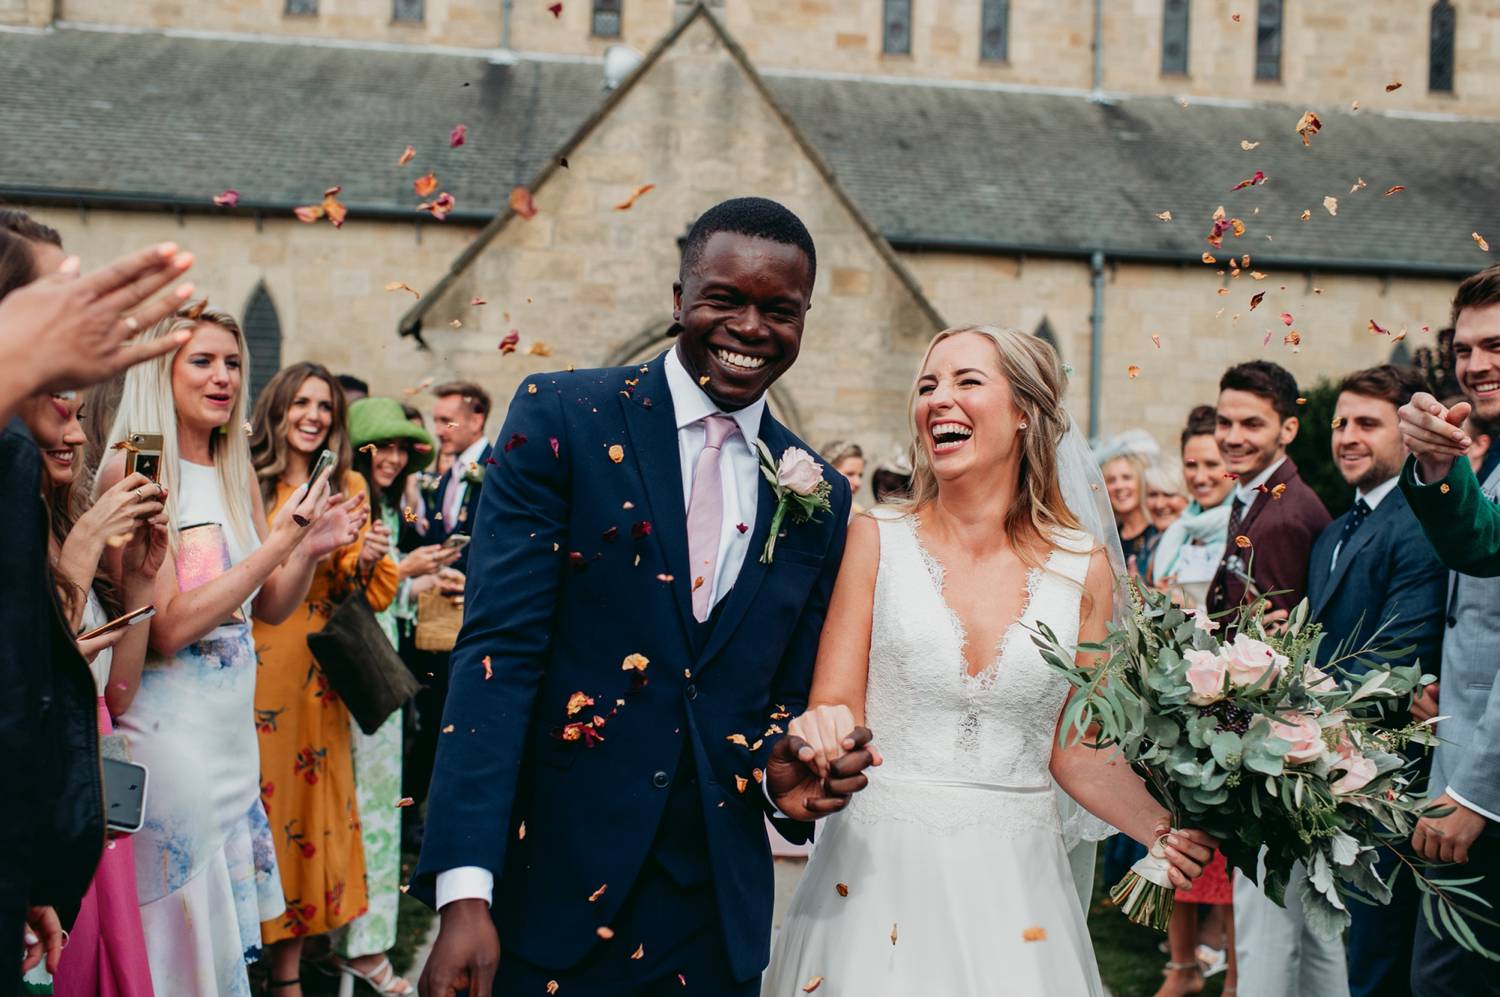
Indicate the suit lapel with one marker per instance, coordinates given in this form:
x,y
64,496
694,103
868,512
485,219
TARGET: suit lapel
x,y
752,571
652,425
1286,472
1357,543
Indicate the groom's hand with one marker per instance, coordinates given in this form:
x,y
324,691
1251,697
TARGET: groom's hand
x,y
466,953
797,788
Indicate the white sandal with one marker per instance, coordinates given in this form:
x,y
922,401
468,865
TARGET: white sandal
x,y
383,980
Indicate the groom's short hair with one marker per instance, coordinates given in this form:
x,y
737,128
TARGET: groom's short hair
x,y
758,217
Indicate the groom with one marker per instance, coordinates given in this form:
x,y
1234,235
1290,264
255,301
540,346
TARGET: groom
x,y
627,665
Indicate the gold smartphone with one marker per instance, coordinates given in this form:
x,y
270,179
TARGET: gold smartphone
x,y
143,455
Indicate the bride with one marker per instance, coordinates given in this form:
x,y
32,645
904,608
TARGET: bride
x,y
949,873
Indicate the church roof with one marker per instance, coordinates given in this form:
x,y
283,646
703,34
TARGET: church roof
x,y
169,120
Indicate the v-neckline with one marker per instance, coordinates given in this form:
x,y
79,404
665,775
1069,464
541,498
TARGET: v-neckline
x,y
937,575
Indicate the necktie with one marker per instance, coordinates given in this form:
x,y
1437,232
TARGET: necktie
x,y
1236,513
453,498
705,514
1356,517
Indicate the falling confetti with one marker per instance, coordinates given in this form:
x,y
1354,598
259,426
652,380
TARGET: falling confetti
x,y
332,208
1242,541
397,285
1247,145
458,136
812,984
1379,330
407,155
635,663
1256,299
477,301
1156,339
1034,934
423,186
405,801
605,932
1331,204
598,893
893,932
1293,339
1254,181
1306,214
539,349
1165,216
1133,371
1390,191
635,195
1480,241
1358,186
555,9
228,199
508,343
1393,86
521,203
616,453
1307,126
640,951
842,888
1286,318
439,207
551,986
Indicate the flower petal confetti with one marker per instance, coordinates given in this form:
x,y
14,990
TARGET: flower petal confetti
x,y
228,199
405,801
509,341
1286,318
1256,299
640,951
397,285
1306,214
516,440
635,662
1393,86
407,155
893,932
1331,204
556,11
1307,126
1358,186
1034,934
1164,216
1242,541
616,453
1378,329
842,888
812,984
605,932
1480,241
1247,145
598,893
539,349
551,986
1392,191
521,202
1133,371
457,136
489,669
635,195
423,186
738,739
439,207
1254,181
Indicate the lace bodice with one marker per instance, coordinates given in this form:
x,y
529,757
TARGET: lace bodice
x,y
938,726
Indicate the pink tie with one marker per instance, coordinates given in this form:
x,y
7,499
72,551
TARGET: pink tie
x,y
705,516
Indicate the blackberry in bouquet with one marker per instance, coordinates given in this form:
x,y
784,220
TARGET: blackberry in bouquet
x,y
1238,732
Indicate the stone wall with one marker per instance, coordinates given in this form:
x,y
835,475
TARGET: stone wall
x,y
1334,51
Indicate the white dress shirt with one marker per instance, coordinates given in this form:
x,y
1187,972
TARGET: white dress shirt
x,y
453,498
1372,499
739,470
1246,491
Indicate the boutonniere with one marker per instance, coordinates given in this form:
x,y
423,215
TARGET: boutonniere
x,y
473,474
428,483
797,481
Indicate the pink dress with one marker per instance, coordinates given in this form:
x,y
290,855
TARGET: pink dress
x,y
106,951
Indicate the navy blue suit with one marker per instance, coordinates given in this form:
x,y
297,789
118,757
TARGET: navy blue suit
x,y
437,529
1387,571
578,562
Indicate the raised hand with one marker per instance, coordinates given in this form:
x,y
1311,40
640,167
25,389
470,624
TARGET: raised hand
x,y
798,789
466,953
377,544
1434,434
336,525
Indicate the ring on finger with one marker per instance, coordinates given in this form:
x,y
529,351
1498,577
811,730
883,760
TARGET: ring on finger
x,y
131,323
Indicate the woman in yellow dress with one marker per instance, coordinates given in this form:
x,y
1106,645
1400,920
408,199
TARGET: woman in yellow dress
x,y
306,756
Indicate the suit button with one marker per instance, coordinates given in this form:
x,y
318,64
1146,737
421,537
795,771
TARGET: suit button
x,y
692,692
661,780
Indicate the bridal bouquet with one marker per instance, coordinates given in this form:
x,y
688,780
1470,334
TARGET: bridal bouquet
x,y
1247,739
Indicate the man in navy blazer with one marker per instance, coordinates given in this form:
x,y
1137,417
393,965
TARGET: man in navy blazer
x,y
1372,567
613,735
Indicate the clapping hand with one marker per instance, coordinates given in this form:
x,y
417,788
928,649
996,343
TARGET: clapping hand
x,y
1434,433
377,545
820,763
337,524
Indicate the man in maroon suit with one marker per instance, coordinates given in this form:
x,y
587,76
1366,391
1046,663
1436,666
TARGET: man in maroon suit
x,y
1275,517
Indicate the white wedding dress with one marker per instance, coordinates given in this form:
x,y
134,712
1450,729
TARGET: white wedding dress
x,y
948,875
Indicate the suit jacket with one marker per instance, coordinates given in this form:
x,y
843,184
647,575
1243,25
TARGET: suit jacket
x,y
438,529
1386,576
1461,522
1281,533
579,561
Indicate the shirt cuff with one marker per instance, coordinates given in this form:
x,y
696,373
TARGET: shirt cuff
x,y
776,813
1481,811
467,882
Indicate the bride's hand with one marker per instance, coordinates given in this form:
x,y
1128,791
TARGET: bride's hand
x,y
1188,851
821,736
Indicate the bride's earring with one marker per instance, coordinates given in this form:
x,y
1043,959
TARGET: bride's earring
x,y
1023,425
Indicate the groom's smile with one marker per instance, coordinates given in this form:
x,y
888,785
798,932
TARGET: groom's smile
x,y
741,306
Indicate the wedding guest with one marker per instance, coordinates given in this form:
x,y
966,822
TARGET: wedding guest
x,y
1125,480
1274,519
306,754
51,839
1165,497
849,460
1186,556
1371,568
890,481
1481,435
1458,514
205,861
1274,516
459,415
354,388
106,951
388,449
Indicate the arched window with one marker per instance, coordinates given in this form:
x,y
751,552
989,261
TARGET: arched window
x,y
896,38
994,31
263,338
1440,48
1174,37
1268,40
1044,332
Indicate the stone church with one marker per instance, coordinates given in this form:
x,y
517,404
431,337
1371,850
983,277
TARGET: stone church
x,y
1058,167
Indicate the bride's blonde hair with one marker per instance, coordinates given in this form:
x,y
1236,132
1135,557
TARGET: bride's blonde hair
x,y
1036,379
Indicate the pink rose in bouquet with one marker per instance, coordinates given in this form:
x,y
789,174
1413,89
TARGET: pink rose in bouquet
x,y
1250,660
1317,679
1358,771
1205,673
799,472
1305,735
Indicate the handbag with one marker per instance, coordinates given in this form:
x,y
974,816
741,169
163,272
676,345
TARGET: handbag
x,y
439,619
363,668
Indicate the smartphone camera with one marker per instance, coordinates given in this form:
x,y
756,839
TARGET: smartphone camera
x,y
144,456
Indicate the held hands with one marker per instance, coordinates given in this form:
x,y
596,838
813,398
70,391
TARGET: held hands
x,y
1447,839
1434,433
466,953
820,763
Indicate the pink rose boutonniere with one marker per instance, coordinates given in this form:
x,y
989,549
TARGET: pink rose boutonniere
x,y
797,481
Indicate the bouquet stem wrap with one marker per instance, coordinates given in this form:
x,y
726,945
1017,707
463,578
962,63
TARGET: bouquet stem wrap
x,y
1146,893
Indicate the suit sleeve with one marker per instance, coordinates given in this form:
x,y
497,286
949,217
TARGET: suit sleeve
x,y
510,600
1474,777
1415,596
1460,521
793,677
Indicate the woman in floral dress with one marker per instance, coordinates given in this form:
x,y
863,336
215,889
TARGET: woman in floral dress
x,y
306,753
